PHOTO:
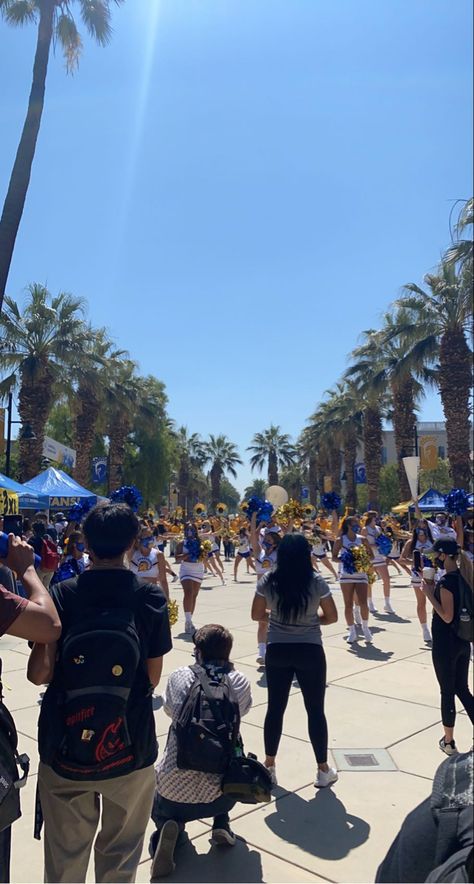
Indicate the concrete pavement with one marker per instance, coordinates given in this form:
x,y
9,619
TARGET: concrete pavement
x,y
380,697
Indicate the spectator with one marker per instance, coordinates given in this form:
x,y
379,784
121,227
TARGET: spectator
x,y
186,795
49,527
120,787
34,618
37,541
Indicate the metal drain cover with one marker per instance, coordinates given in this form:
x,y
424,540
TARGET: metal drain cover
x,y
360,760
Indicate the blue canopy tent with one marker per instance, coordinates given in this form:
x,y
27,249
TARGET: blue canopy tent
x,y
27,498
429,502
61,490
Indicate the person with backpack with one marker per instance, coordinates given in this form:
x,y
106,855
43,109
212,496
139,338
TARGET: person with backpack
x,y
452,631
199,746
97,739
46,548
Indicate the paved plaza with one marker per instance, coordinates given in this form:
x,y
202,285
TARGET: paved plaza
x,y
379,697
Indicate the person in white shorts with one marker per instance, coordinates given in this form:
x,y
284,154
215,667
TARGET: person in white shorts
x,y
148,563
356,583
191,572
372,532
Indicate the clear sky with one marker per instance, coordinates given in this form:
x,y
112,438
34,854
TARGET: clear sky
x,y
239,188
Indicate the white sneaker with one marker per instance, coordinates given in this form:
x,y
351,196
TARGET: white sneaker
x,y
326,778
175,578
372,608
352,635
426,633
357,617
260,659
388,607
272,772
367,634
189,628
448,748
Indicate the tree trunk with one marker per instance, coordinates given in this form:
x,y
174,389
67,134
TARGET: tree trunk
x,y
404,428
34,405
335,463
216,475
350,455
455,380
373,444
183,483
21,172
313,478
272,469
118,432
88,410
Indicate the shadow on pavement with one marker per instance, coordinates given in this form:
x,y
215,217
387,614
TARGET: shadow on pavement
x,y
320,826
369,652
228,865
390,618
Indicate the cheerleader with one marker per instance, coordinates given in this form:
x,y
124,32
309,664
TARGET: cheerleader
x,y
319,551
243,552
213,559
421,542
356,583
191,573
468,536
371,532
265,550
148,563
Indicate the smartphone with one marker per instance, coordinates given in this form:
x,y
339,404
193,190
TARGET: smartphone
x,y
416,560
13,525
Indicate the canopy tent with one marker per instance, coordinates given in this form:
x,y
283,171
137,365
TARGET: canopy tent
x,y
28,499
430,501
60,489
401,508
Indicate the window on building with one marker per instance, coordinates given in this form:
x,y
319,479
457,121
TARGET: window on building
x,y
441,451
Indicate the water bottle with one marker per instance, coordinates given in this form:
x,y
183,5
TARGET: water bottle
x,y
4,549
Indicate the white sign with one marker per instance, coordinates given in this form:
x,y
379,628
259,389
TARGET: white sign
x,y
412,469
58,452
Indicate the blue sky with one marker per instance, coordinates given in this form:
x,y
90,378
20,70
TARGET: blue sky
x,y
240,188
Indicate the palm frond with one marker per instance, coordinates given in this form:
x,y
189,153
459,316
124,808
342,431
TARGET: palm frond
x,y
69,38
96,16
18,12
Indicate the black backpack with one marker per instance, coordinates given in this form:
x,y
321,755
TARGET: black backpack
x,y
208,724
463,624
98,668
10,761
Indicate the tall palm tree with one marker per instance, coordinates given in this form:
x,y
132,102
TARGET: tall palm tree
x,y
437,321
122,398
342,418
256,489
221,454
373,404
39,345
91,372
461,252
189,454
311,454
55,22
274,448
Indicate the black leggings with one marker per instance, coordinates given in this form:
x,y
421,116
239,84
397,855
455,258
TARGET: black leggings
x,y
308,662
451,665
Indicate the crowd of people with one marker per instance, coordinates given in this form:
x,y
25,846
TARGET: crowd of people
x,y
96,611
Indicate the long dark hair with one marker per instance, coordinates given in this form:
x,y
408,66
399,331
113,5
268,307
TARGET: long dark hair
x,y
426,530
291,580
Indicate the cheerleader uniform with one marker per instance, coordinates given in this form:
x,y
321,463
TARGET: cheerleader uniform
x,y
394,553
190,570
244,548
357,576
372,534
416,578
145,567
319,549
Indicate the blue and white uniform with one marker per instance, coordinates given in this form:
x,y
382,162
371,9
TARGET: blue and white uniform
x,y
422,547
265,562
319,548
373,531
357,576
243,547
190,570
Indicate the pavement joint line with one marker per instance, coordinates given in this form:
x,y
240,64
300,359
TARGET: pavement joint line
x,y
384,696
419,775
289,862
414,734
378,665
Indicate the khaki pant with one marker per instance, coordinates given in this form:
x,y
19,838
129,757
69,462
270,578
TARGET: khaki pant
x,y
45,577
71,813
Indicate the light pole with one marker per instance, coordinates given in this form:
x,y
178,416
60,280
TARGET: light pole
x,y
25,433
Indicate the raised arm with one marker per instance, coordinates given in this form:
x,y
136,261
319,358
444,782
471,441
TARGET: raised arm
x,y
39,621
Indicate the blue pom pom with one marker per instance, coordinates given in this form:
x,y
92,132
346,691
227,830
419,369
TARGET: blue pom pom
x,y
193,549
331,501
128,494
384,544
263,508
347,560
457,501
79,511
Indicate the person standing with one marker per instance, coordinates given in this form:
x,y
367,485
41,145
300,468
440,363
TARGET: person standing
x,y
414,549
353,583
450,653
191,573
97,739
290,596
371,531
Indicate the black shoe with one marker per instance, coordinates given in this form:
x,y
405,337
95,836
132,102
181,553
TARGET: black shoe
x,y
163,863
448,748
224,836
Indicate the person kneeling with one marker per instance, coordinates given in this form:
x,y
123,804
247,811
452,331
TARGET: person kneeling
x,y
184,792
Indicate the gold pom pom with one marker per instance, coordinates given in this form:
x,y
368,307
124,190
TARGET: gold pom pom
x,y
363,563
173,611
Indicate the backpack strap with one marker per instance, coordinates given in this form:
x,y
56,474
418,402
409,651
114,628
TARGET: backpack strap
x,y
215,708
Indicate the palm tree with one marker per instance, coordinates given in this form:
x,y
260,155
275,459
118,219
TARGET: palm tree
x,y
373,404
342,419
436,322
256,489
461,252
55,22
311,454
39,345
189,453
122,397
222,456
92,371
272,447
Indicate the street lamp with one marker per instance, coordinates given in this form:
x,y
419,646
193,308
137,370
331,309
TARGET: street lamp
x,y
26,433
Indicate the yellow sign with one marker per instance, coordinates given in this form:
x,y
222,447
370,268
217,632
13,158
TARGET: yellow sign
x,y
8,503
327,484
428,446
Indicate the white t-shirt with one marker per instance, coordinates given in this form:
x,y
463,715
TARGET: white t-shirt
x,y
145,566
442,532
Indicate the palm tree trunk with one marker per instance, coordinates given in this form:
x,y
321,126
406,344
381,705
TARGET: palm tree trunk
x,y
404,427
216,475
350,455
272,469
88,410
455,380
21,172
373,444
313,479
34,405
335,463
118,432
